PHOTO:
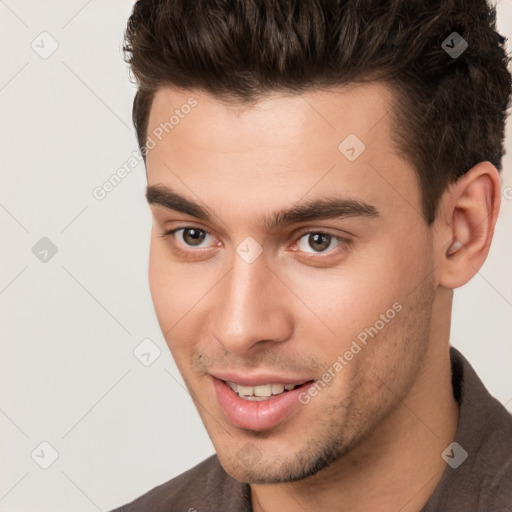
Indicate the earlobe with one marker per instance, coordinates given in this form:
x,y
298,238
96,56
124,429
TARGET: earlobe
x,y
468,214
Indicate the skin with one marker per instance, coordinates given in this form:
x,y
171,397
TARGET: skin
x,y
372,439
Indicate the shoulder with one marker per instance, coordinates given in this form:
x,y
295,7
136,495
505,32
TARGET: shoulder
x,y
206,484
486,430
492,466
480,476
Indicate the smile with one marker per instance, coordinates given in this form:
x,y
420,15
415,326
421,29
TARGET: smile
x,y
262,392
259,407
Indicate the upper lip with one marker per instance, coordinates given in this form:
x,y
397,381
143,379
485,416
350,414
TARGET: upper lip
x,y
259,379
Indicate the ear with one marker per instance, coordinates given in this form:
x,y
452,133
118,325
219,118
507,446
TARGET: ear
x,y
464,226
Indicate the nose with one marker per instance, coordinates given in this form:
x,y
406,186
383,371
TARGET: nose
x,y
251,307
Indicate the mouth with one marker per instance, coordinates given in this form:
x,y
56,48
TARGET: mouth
x,y
258,407
262,391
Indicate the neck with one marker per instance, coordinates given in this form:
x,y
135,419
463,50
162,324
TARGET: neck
x,y
399,465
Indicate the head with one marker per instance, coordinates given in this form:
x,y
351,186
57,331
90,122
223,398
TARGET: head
x,y
310,171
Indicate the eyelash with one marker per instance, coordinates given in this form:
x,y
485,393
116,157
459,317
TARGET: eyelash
x,y
344,243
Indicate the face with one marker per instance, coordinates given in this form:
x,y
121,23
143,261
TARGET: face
x,y
283,252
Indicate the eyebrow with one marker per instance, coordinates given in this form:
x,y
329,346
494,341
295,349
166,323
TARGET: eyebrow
x,y
316,209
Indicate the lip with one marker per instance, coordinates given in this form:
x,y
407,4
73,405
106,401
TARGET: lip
x,y
258,380
254,415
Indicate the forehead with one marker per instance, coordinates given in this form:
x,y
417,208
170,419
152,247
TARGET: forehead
x,y
277,119
280,149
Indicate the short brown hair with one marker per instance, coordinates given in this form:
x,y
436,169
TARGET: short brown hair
x,y
449,112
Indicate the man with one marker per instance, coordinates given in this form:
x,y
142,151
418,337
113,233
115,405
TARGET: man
x,y
321,176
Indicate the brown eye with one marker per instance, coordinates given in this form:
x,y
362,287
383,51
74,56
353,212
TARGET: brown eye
x,y
317,241
192,236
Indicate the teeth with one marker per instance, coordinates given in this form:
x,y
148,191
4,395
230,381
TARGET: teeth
x,y
278,388
232,385
245,390
258,393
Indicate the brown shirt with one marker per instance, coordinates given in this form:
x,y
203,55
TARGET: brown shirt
x,y
481,483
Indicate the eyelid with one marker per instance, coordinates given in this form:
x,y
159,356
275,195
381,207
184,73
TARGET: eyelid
x,y
344,243
297,235
171,232
328,231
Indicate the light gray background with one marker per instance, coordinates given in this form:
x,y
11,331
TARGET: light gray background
x,y
69,325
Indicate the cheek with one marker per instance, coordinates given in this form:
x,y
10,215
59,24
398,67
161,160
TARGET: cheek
x,y
362,301
343,301
172,292
178,292
160,284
